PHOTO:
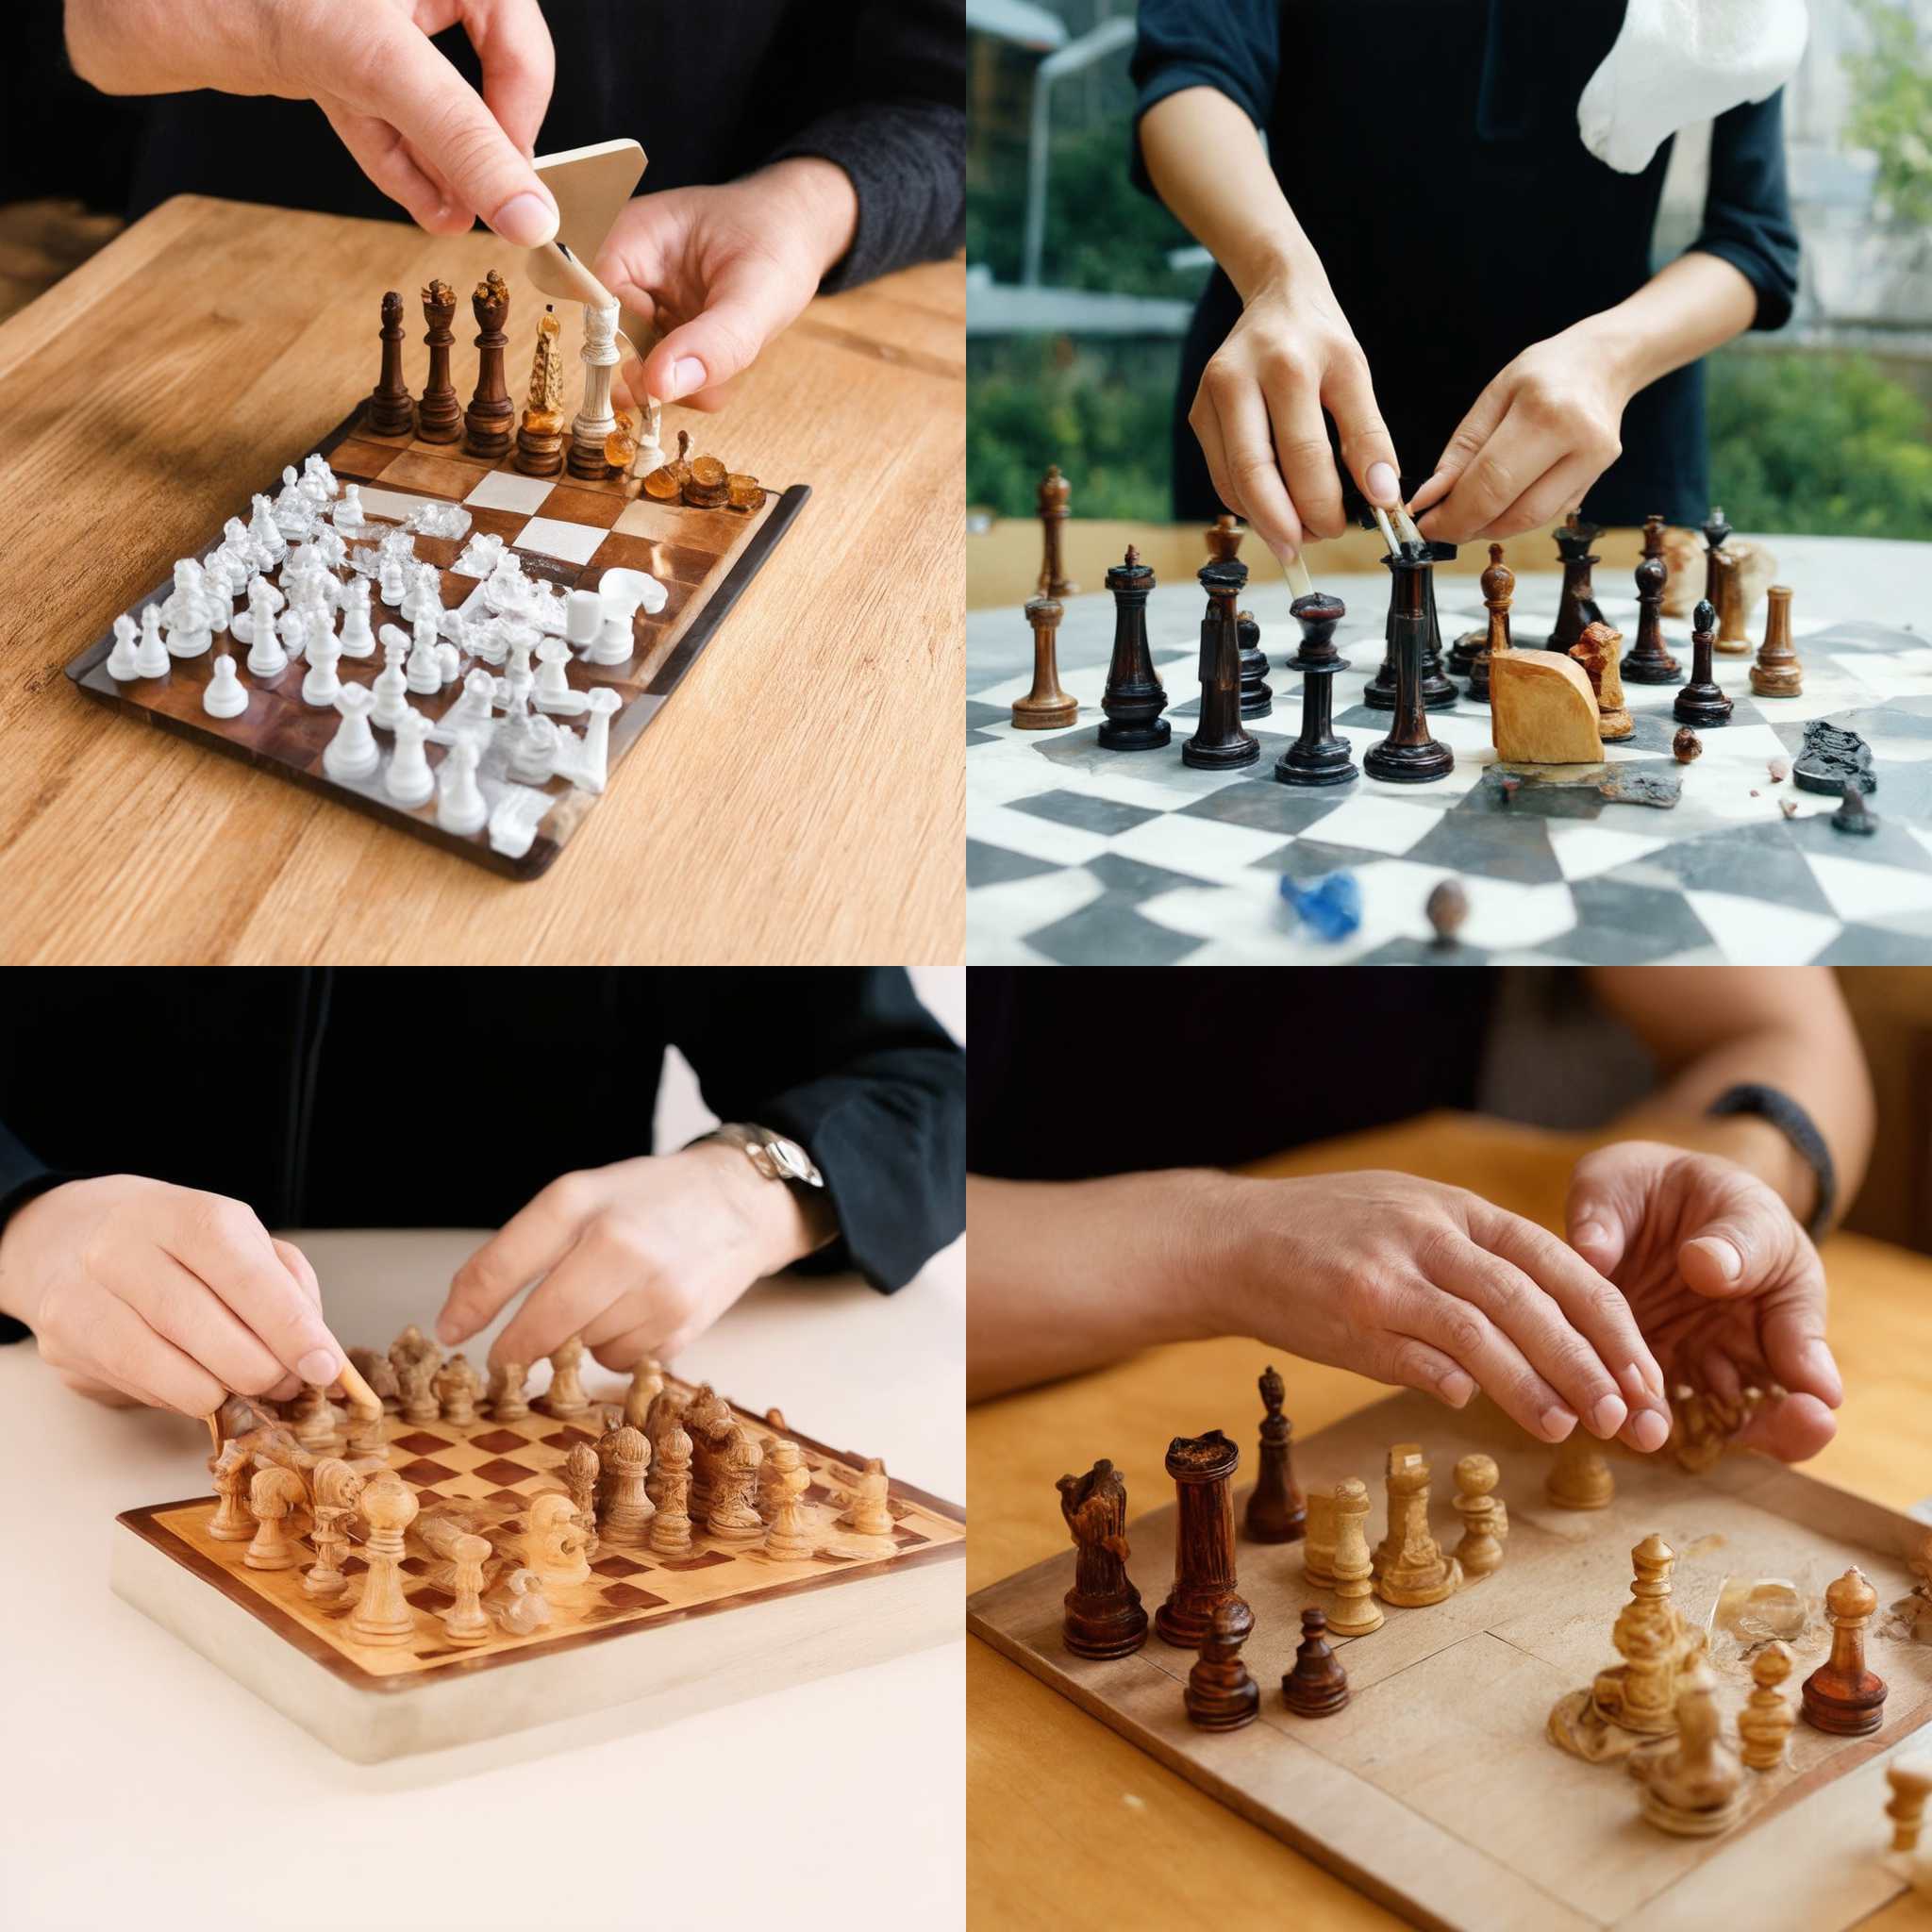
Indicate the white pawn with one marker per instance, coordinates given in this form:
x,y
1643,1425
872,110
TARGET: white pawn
x,y
266,658
426,663
424,597
331,550
264,600
553,692
322,687
353,752
391,582
151,658
224,696
123,658
615,639
595,762
474,711
391,686
295,632
264,535
460,805
358,639
348,517
409,779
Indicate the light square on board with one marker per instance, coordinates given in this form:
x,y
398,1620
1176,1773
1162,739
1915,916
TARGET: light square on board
x,y
574,543
500,490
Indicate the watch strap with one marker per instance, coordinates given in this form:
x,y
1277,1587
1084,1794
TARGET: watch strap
x,y
1797,1127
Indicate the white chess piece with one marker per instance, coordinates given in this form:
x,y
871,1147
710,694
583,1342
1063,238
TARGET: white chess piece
x,y
409,779
424,597
553,692
322,686
122,659
358,639
264,600
347,516
460,805
151,658
226,695
391,686
266,658
474,714
534,760
484,553
353,752
333,553
392,583
583,615
319,479
425,668
265,537
293,629
594,761
189,612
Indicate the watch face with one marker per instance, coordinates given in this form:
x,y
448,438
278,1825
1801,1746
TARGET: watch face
x,y
789,1157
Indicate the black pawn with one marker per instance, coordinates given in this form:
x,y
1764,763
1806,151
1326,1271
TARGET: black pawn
x,y
1853,814
1257,696
1408,756
1318,757
1219,741
1134,696
1318,1686
1219,1693
1463,655
1702,702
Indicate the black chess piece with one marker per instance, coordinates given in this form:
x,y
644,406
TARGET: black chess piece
x,y
1716,534
1257,694
1703,702
1408,756
1318,757
1219,741
1277,1513
1576,609
1135,697
1317,1685
1437,693
1219,1693
1853,814
1649,662
1464,654
1103,1617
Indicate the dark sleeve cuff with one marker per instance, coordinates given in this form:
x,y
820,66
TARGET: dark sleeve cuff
x,y
23,1176
1747,207
1233,46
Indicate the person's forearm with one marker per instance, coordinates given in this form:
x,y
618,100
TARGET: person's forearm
x,y
1689,308
166,47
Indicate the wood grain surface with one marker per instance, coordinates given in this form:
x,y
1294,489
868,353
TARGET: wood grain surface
x,y
1060,1809
800,801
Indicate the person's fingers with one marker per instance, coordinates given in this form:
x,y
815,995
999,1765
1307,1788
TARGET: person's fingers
x,y
1597,1215
1408,1362
749,303
625,1350
1792,1428
1790,1329
512,42
1241,460
1514,458
1548,500
1307,461
383,154
135,1355
1466,1335
1746,1240
1366,447
569,1299
1464,445
529,1244
1721,1375
108,1393
299,1265
181,1309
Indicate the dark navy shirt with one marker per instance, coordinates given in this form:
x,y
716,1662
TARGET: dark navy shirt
x,y
1430,149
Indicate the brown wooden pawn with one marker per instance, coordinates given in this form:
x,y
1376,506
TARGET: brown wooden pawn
x,y
1777,673
390,411
1277,1513
1052,501
491,416
1046,706
439,414
1103,1617
1317,1685
1220,1695
1499,585
1203,1468
1842,1696
1649,662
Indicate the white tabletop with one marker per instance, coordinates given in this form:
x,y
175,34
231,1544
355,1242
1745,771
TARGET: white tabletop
x,y
142,1785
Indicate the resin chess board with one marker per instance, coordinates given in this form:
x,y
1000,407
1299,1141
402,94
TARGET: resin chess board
x,y
1078,855
642,1627
1435,1789
565,531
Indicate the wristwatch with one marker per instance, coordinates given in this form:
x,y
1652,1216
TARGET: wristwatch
x,y
774,1156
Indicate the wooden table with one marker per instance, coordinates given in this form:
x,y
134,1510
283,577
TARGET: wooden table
x,y
800,799
1067,1822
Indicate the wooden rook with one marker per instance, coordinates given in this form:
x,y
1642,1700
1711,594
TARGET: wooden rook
x,y
1415,1571
1318,1545
1220,1695
390,411
1596,651
1842,1696
1576,608
1318,757
439,414
490,417
1703,701
1052,501
1134,696
1408,756
1203,1469
1356,1612
1277,1513
1721,587
1257,696
1777,673
1046,706
1103,1617
1317,1685
1219,742
1649,662
1499,585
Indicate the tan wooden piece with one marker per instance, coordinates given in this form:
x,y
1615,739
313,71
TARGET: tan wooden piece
x,y
1544,709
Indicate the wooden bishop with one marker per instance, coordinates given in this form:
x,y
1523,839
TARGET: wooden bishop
x,y
1842,1696
1277,1513
390,411
671,1527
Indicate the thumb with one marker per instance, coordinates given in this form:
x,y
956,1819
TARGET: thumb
x,y
743,313
1461,449
1742,1238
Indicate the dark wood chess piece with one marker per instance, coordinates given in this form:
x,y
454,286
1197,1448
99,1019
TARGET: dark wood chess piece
x,y
1438,693
1702,702
1716,533
1576,608
1277,1512
1842,1696
1051,499
490,420
1499,585
1777,673
1134,696
392,410
439,414
1649,662
1219,741
1258,699
1103,1617
1219,1693
1317,1685
1853,815
1203,1469
1408,756
1046,706
1318,757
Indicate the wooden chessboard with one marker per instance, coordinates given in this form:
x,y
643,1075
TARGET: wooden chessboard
x,y
1435,1789
644,1626
565,531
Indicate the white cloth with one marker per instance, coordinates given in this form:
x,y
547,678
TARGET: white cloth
x,y
1680,61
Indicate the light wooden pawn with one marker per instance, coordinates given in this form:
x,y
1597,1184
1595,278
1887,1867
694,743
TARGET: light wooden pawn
x,y
866,1511
566,1395
457,1384
1695,1785
272,1493
790,1536
1482,1548
1580,1477
629,1510
506,1404
466,1621
670,1525
315,1420
664,1415
1911,1786
231,1470
382,1613
1356,1612
1766,1720
646,1382
1318,1543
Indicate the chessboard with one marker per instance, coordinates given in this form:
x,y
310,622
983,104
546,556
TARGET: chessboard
x,y
1435,1788
566,532
672,1634
1077,855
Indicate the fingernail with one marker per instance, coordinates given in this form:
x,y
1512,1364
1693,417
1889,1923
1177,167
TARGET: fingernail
x,y
1593,1234
1606,1418
1455,1387
1631,1376
319,1366
1824,1373
686,379
525,220
1557,1424
1651,1430
1382,483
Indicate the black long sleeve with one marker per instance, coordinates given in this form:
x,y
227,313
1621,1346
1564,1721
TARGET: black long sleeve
x,y
1747,206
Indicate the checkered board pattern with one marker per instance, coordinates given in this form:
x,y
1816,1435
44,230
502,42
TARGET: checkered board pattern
x,y
565,531
504,1465
1076,855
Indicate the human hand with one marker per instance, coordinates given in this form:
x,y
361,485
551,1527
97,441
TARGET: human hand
x,y
414,125
719,271
639,1257
1258,416
138,1290
1724,1282
1434,1287
1533,443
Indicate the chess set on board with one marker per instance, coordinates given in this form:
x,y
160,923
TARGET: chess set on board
x,y
1511,1732
368,1569
451,546
1647,790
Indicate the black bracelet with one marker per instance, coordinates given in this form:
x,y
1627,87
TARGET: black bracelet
x,y
1797,1127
